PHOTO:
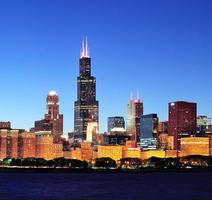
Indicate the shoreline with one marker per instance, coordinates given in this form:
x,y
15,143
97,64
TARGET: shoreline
x,y
90,170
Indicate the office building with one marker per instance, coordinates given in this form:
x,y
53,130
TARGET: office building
x,y
203,125
182,120
86,108
53,120
134,113
115,122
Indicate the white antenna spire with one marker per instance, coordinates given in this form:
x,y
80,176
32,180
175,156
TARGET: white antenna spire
x,y
82,53
84,50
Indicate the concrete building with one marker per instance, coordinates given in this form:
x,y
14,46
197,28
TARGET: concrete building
x,y
195,145
113,151
53,120
44,145
15,144
26,145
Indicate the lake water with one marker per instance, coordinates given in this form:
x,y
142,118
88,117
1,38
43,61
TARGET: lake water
x,y
102,186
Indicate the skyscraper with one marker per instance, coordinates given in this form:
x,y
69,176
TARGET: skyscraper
x,y
86,108
149,125
182,120
53,120
134,113
148,131
203,124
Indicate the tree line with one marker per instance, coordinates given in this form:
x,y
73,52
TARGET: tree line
x,y
195,161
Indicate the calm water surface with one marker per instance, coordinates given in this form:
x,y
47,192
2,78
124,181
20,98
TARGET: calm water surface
x,y
102,186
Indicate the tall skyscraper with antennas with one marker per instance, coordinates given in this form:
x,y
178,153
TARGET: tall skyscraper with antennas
x,y
134,113
86,108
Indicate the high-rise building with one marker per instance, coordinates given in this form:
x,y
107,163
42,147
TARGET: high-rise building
x,y
203,124
148,131
182,120
149,125
53,120
134,113
92,132
115,122
86,108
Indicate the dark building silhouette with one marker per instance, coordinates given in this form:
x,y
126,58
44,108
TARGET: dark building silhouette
x,y
86,108
53,121
5,125
115,122
182,120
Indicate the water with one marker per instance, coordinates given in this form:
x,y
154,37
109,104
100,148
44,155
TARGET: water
x,y
102,186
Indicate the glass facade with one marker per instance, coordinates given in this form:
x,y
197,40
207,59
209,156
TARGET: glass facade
x,y
149,124
134,113
148,143
115,122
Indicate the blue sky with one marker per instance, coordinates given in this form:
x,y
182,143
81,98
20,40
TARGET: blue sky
x,y
160,48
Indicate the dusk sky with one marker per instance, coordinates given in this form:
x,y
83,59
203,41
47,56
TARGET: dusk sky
x,y
162,49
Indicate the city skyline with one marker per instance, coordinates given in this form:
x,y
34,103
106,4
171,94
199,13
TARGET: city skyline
x,y
36,59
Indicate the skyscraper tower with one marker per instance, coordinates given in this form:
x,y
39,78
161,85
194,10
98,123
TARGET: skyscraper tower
x,y
52,106
182,120
53,120
134,113
86,108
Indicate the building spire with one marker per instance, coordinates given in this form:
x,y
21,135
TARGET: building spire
x,y
86,47
84,50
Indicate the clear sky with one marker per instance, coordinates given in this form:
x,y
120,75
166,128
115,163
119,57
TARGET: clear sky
x,y
161,48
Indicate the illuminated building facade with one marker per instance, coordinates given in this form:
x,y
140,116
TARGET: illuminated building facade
x,y
134,113
203,124
92,132
26,145
148,131
16,144
118,136
86,108
115,122
114,152
149,125
195,145
86,151
182,120
45,147
53,120
162,127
